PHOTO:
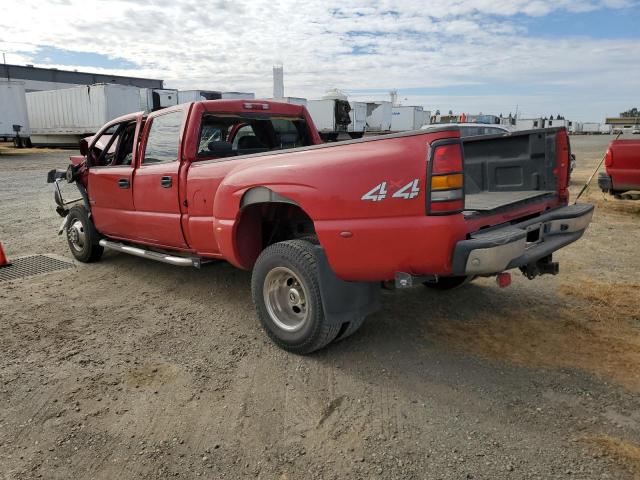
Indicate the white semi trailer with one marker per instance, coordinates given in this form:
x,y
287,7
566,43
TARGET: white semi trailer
x,y
379,116
358,116
405,118
63,117
330,116
152,99
14,121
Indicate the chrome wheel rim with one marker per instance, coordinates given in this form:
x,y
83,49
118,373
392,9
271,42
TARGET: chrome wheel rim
x,y
285,297
77,236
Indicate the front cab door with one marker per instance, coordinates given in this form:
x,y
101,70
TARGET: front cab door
x,y
111,157
155,184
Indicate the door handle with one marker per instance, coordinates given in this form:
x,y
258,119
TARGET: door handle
x,y
165,182
123,183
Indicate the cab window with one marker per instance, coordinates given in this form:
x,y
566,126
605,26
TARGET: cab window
x,y
229,135
114,147
163,141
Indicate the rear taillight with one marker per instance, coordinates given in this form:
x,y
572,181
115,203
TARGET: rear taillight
x,y
608,158
446,178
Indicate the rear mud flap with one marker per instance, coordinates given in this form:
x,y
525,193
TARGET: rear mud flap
x,y
343,301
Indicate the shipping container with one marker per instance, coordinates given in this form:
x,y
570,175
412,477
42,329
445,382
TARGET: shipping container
x,y
404,118
379,116
14,121
358,116
152,99
64,116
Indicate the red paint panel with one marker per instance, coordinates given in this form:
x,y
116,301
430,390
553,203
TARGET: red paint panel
x,y
624,164
110,203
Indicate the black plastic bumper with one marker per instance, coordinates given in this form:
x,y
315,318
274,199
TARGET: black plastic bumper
x,y
502,248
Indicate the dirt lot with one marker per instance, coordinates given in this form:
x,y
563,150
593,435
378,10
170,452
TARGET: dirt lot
x,y
133,369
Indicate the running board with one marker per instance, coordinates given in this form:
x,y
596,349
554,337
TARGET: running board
x,y
157,256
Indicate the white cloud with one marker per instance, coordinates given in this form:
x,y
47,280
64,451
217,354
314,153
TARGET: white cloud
x,y
232,45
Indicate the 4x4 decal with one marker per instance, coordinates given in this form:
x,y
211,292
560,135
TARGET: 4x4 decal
x,y
406,192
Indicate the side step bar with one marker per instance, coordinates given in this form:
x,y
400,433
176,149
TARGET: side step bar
x,y
157,256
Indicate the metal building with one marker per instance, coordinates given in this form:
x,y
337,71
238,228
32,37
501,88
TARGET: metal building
x,y
37,79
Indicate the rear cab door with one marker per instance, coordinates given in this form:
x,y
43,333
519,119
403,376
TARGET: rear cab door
x,y
156,186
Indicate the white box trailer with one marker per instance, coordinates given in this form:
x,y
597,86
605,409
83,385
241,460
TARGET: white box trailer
x,y
238,96
426,117
379,116
152,99
291,100
330,116
590,128
14,121
576,128
187,96
358,116
405,118
529,123
63,117
606,129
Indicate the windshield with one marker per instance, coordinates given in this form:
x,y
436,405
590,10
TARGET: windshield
x,y
229,135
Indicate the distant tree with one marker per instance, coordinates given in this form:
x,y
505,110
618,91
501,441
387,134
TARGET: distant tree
x,y
632,112
450,112
437,112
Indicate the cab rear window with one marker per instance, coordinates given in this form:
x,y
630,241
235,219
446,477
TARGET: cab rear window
x,y
230,135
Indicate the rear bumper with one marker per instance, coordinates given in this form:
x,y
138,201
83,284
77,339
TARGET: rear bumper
x,y
604,182
495,250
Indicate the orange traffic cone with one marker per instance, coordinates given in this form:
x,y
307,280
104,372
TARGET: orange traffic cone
x,y
3,258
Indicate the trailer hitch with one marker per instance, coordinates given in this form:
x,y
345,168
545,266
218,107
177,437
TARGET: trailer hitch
x,y
544,266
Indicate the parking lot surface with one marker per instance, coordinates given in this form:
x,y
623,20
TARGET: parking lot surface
x,y
133,369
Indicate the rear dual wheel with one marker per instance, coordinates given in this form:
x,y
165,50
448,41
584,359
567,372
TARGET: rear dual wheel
x,y
286,292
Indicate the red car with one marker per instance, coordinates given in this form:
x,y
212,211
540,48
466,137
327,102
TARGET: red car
x,y
622,165
320,225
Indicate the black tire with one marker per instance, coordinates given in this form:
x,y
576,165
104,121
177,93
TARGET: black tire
x,y
291,265
449,283
82,236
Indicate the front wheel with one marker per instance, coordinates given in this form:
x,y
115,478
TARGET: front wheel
x,y
82,237
449,283
286,292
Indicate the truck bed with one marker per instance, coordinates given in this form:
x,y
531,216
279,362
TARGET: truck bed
x,y
502,171
489,201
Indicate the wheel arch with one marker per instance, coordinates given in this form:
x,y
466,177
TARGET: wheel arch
x,y
266,217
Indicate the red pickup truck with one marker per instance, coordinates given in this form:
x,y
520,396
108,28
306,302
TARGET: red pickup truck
x,y
622,165
320,225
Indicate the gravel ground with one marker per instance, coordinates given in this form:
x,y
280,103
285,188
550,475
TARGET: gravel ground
x,y
133,369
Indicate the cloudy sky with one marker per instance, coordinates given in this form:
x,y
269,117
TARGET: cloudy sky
x,y
580,58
